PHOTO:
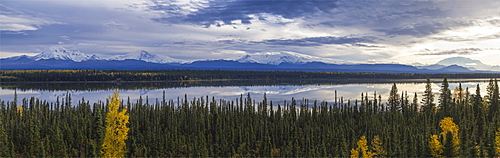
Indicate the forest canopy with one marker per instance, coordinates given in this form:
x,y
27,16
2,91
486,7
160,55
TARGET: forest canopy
x,y
458,123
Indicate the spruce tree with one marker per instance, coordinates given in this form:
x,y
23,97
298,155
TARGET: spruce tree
x,y
394,100
445,101
4,142
428,98
448,149
492,98
414,104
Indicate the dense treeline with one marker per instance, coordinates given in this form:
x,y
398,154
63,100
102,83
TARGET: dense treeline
x,y
462,123
174,84
95,86
180,75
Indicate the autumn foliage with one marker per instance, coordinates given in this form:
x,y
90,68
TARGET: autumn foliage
x,y
497,142
116,129
362,149
438,148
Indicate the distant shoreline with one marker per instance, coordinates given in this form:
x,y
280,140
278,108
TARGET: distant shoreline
x,y
351,80
124,76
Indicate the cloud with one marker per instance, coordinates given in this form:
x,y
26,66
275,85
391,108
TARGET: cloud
x,y
420,29
317,41
17,21
225,11
461,51
117,26
353,30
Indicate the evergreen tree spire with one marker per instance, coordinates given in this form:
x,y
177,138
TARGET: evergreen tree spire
x,y
428,98
445,102
394,100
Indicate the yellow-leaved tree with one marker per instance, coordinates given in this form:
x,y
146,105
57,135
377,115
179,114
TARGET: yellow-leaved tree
x,y
447,125
436,146
20,110
378,147
497,142
116,129
362,149
450,148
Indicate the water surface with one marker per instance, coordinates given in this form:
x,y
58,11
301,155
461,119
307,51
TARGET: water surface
x,y
276,92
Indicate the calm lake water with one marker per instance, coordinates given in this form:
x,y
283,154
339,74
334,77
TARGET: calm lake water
x,y
278,93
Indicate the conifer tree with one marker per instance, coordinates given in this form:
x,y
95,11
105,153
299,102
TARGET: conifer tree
x,y
394,100
459,94
445,101
414,104
98,131
447,126
428,98
4,142
493,97
116,129
448,146
497,142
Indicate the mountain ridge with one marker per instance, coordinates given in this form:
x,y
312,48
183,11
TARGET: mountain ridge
x,y
60,53
468,63
147,57
60,58
276,58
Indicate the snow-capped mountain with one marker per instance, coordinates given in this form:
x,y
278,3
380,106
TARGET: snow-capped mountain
x,y
61,58
14,58
276,58
94,57
147,57
468,63
60,53
63,54
459,61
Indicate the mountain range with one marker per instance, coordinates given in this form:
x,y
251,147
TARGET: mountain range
x,y
61,58
468,63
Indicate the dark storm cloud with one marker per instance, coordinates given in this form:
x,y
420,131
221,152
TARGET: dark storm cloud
x,y
462,51
227,11
317,41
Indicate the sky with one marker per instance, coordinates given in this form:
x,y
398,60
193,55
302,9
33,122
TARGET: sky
x,y
358,31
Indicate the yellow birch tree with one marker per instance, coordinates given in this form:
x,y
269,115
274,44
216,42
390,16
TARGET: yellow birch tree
x,y
116,129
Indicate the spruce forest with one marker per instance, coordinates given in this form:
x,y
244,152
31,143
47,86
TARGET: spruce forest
x,y
451,123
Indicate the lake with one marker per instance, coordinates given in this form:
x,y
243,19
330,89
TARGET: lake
x,y
230,90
